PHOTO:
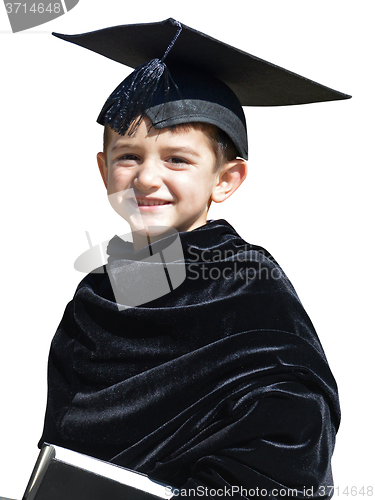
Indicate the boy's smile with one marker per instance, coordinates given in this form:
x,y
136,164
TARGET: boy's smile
x,y
171,173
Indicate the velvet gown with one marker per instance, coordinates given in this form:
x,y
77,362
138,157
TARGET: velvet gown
x,y
219,386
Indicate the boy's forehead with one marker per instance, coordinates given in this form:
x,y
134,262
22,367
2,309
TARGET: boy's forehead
x,y
195,136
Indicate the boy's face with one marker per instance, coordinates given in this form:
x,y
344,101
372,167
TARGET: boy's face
x,y
172,175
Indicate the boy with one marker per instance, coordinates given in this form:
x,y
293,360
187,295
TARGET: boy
x,y
220,385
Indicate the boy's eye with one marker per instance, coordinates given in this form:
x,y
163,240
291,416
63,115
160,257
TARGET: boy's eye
x,y
127,157
176,160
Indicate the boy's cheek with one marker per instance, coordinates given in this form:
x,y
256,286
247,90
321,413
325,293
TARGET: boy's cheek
x,y
117,180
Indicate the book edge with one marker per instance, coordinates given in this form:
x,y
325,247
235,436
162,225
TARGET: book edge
x,y
45,457
122,475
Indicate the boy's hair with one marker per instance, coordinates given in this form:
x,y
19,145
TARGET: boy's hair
x,y
222,146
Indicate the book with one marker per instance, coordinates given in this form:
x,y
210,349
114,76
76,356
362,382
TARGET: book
x,y
62,474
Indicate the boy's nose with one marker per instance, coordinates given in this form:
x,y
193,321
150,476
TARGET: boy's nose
x,y
148,176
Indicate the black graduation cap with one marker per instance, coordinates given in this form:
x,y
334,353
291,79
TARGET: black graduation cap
x,y
183,75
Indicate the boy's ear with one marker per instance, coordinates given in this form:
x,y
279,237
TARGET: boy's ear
x,y
102,164
230,177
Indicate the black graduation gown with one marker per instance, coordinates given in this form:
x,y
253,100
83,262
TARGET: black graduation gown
x,y
221,383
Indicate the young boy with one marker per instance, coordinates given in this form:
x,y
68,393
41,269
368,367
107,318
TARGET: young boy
x,y
219,384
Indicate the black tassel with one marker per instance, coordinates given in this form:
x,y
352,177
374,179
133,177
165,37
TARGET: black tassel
x,y
125,108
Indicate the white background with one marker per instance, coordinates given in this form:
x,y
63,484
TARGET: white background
x,y
307,199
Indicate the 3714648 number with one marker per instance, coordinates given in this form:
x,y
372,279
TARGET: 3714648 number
x,y
36,8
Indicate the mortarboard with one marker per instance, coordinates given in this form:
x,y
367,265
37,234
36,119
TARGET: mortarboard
x,y
183,75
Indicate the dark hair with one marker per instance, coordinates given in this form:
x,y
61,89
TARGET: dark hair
x,y
222,146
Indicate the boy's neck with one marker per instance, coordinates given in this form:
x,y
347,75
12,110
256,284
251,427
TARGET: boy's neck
x,y
141,240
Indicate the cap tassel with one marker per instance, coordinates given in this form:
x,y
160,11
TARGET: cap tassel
x,y
125,107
